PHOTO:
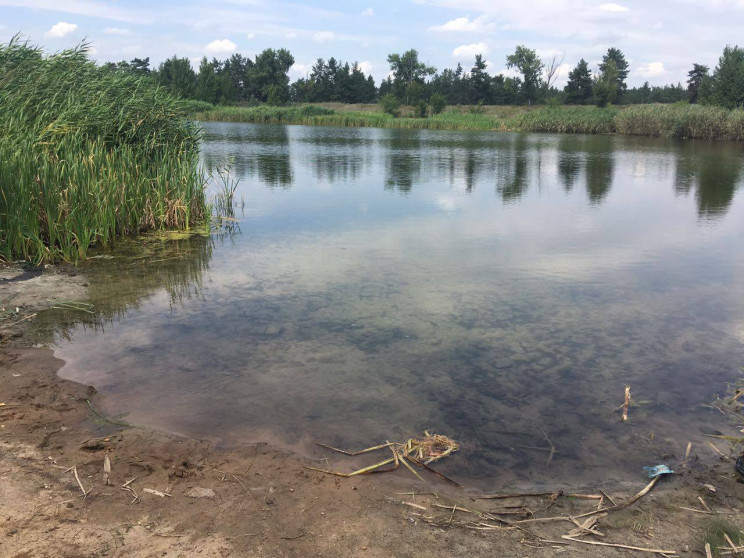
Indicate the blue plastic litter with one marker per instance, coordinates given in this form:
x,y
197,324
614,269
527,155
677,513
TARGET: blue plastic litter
x,y
657,471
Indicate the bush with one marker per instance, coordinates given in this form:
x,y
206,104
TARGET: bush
x,y
422,109
390,105
438,103
194,107
312,110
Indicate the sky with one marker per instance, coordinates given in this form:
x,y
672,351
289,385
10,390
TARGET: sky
x,y
660,38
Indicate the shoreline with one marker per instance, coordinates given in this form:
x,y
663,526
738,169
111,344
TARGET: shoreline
x,y
258,500
660,121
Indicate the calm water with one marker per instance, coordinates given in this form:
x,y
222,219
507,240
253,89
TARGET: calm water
x,y
491,287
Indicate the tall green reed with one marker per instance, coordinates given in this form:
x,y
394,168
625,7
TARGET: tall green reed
x,y
88,154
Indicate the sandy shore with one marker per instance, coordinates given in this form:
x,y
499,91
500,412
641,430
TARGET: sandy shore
x,y
185,498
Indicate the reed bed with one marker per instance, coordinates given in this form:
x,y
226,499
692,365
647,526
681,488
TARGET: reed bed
x,y
682,121
88,154
566,120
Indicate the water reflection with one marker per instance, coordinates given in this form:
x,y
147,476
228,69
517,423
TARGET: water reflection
x,y
518,162
714,173
498,297
403,160
512,173
599,169
122,281
264,154
570,160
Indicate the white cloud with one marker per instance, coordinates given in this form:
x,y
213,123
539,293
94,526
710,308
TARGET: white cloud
x,y
652,69
463,24
369,12
469,51
88,8
323,36
60,30
366,67
221,46
116,31
299,70
250,36
613,8
290,36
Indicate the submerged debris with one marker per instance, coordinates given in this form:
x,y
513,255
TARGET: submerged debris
x,y
418,451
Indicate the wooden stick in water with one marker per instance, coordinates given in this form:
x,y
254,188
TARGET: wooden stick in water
x,y
626,404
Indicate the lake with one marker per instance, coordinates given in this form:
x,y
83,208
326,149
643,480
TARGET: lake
x,y
502,289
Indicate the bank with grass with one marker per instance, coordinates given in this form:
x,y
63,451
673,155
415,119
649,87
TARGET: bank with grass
x,y
88,155
684,121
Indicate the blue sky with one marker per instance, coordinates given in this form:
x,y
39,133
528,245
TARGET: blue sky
x,y
660,38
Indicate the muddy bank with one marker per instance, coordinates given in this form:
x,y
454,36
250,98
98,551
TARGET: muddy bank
x,y
257,500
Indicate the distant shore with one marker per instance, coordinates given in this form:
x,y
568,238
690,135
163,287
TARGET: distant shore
x,y
683,121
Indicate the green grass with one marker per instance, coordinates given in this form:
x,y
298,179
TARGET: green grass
x,y
713,531
87,155
670,121
312,115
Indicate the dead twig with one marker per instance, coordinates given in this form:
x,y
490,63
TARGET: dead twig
x,y
80,484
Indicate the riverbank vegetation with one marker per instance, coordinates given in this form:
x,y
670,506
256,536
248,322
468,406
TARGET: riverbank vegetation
x,y
87,154
681,120
417,95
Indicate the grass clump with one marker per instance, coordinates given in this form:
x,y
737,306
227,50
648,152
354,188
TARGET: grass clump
x,y
88,154
713,532
567,120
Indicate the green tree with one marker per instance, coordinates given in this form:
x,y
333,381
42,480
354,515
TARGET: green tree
x,y
267,77
530,66
407,69
695,78
579,87
140,66
480,81
206,82
621,70
176,75
727,83
606,86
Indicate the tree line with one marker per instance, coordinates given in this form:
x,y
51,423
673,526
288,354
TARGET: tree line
x,y
265,79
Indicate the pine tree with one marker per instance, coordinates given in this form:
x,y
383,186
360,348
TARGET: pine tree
x,y
621,68
579,87
695,78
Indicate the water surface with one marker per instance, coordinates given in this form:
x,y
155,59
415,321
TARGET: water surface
x,y
497,288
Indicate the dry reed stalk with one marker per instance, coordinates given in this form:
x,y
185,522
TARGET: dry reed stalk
x,y
625,546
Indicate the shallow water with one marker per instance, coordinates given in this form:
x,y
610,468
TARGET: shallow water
x,y
498,288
